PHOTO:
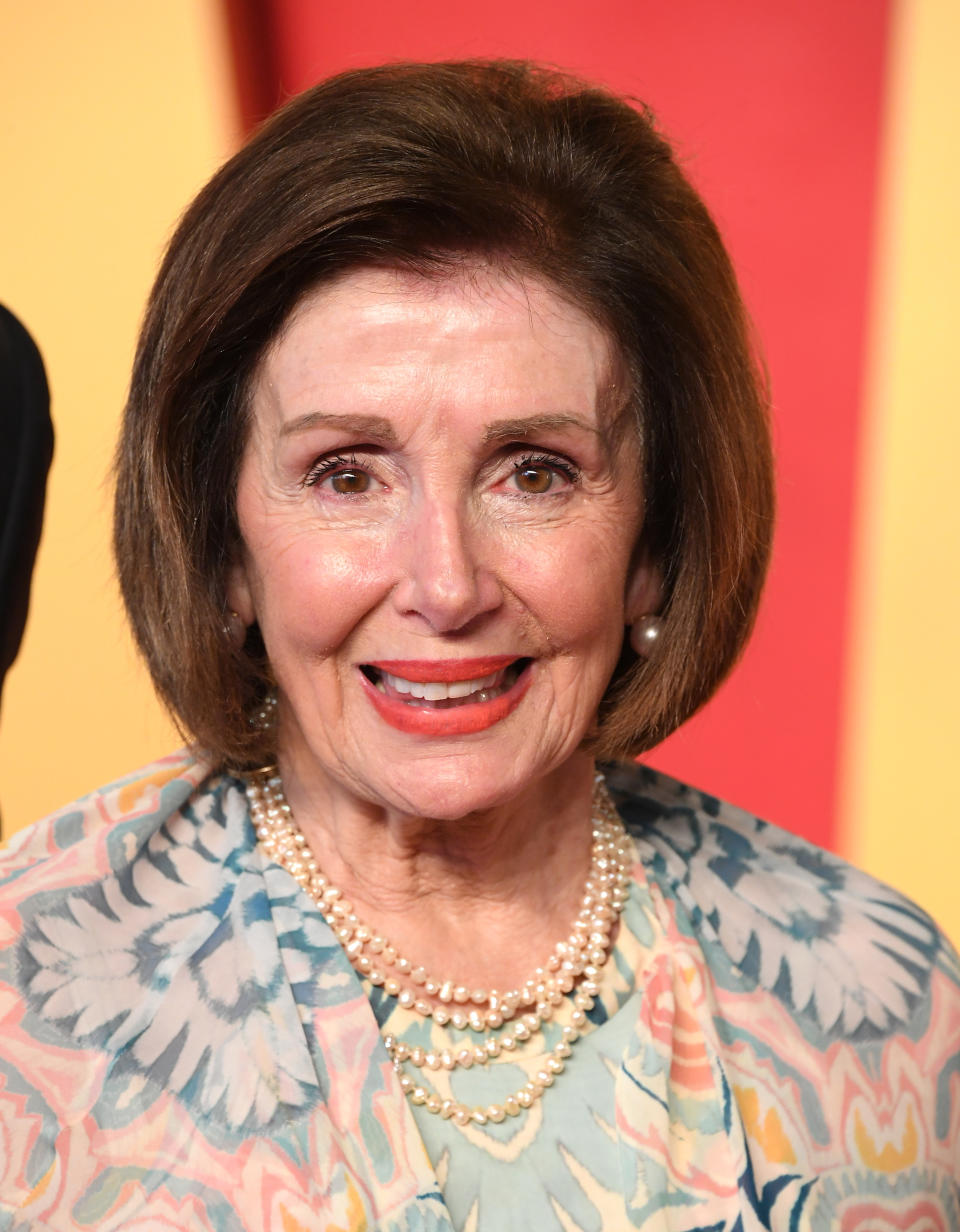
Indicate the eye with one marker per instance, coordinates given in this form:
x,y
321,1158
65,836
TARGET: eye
x,y
350,482
540,474
534,479
339,474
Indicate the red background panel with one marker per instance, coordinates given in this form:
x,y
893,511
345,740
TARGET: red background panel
x,y
776,111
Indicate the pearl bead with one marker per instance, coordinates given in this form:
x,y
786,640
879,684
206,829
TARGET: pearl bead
x,y
582,953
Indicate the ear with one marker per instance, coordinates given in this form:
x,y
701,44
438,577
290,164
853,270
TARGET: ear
x,y
644,593
239,594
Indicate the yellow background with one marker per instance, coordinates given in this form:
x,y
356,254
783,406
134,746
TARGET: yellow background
x,y
114,114
900,817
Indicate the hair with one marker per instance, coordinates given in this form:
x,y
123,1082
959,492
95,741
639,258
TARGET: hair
x,y
414,166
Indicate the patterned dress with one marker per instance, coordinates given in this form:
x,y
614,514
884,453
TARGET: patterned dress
x,y
184,1045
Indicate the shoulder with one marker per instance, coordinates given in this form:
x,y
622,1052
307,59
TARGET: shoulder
x,y
847,955
105,831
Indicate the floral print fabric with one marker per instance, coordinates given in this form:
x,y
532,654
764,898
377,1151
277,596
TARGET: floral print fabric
x,y
183,1043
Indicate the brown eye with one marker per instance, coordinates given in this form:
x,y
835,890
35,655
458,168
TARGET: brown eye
x,y
534,479
350,483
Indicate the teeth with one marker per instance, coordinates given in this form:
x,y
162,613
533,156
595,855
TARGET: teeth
x,y
438,691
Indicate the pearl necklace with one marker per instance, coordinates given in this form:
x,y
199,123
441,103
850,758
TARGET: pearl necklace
x,y
574,966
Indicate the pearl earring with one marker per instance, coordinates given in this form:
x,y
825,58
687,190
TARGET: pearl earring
x,y
266,717
644,635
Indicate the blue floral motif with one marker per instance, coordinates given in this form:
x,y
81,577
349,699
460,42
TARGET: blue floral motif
x,y
849,955
134,965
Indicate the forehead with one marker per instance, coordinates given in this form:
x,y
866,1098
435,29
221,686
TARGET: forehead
x,y
475,328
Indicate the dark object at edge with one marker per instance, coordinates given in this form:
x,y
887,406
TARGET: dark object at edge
x,y
26,449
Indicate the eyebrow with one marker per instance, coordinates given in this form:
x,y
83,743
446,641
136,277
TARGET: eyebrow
x,y
507,429
373,426
381,430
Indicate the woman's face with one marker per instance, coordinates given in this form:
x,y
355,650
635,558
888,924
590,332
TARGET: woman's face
x,y
438,523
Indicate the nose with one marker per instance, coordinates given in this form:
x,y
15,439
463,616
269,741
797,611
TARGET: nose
x,y
446,581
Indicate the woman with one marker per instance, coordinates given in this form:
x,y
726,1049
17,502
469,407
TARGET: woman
x,y
445,473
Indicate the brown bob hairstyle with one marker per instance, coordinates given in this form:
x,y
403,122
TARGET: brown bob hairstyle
x,y
414,166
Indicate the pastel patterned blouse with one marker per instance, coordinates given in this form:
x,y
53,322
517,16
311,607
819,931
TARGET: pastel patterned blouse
x,y
184,1045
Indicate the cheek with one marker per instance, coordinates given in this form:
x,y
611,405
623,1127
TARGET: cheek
x,y
311,596
576,593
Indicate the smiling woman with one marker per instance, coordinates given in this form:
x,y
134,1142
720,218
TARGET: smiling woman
x,y
445,475
418,532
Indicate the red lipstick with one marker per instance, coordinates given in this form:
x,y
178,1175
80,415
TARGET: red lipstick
x,y
421,719
443,671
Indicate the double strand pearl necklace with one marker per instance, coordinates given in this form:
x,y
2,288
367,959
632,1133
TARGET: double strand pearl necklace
x,y
574,966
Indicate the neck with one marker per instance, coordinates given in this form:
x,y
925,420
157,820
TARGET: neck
x,y
481,898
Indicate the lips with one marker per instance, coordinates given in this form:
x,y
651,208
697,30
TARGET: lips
x,y
446,697
443,670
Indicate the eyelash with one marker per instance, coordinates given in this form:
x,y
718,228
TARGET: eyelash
x,y
553,461
328,466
